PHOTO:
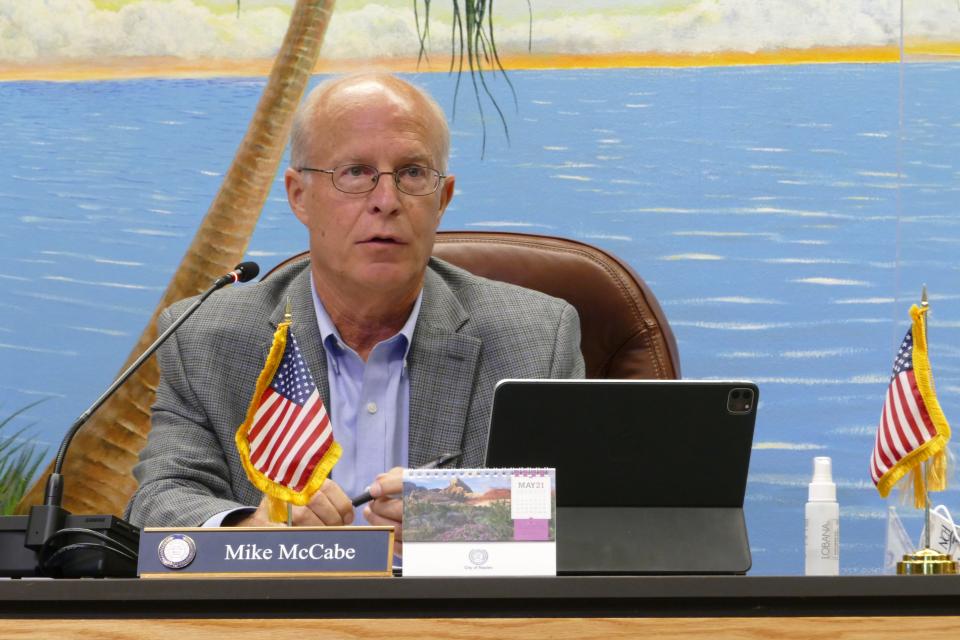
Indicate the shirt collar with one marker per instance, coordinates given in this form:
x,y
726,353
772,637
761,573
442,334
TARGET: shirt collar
x,y
328,330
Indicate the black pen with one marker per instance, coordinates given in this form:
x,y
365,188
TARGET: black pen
x,y
365,497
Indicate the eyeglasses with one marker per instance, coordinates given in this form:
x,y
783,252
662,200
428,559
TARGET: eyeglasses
x,y
413,179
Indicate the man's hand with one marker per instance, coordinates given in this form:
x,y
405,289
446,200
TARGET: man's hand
x,y
387,506
329,507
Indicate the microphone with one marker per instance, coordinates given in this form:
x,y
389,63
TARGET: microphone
x,y
243,272
47,522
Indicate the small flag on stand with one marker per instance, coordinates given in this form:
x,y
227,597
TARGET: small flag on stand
x,y
286,442
913,429
898,543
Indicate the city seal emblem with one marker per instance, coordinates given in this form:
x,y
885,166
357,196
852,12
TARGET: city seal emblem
x,y
177,551
478,556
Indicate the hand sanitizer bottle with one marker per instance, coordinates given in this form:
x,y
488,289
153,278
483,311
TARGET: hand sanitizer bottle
x,y
822,522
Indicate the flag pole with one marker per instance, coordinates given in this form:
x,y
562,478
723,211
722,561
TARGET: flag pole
x,y
926,561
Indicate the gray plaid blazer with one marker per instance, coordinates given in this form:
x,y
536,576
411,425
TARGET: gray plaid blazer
x,y
471,333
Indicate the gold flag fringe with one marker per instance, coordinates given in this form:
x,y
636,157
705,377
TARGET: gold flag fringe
x,y
277,494
934,451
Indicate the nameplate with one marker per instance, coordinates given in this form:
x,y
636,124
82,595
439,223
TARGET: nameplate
x,y
265,552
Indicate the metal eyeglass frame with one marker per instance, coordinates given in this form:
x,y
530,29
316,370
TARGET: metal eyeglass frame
x,y
376,179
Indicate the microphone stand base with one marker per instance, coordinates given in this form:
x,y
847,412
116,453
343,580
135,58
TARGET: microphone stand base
x,y
17,560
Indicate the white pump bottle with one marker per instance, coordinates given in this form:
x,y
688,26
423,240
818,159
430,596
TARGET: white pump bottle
x,y
822,522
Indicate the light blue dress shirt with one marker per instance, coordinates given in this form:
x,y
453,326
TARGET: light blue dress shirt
x,y
369,402
369,406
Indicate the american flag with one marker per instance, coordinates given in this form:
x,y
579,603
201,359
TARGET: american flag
x,y
290,432
912,427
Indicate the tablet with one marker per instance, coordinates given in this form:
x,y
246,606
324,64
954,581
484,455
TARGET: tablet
x,y
651,474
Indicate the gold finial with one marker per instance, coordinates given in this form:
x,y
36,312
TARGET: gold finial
x,y
286,312
923,297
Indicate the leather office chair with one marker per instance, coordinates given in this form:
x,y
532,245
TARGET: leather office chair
x,y
624,333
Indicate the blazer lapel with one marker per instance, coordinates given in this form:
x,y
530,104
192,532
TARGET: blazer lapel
x,y
305,328
442,365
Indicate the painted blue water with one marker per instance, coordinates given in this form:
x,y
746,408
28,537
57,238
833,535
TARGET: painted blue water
x,y
763,205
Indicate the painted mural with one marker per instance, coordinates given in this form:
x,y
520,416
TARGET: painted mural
x,y
783,175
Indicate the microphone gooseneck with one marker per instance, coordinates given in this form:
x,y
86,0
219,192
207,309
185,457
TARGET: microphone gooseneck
x,y
53,495
49,521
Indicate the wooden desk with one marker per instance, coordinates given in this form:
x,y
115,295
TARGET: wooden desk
x,y
565,607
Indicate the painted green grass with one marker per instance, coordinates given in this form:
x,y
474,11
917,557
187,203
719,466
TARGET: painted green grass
x,y
20,460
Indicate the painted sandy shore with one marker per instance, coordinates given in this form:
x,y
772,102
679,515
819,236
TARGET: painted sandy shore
x,y
147,67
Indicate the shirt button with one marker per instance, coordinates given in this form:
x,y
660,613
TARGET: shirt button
x,y
371,407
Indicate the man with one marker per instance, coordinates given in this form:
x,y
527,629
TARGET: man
x,y
405,349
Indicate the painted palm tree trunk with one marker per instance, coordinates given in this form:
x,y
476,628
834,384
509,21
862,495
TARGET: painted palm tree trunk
x,y
98,467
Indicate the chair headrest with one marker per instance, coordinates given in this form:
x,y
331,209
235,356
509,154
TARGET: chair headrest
x,y
624,332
